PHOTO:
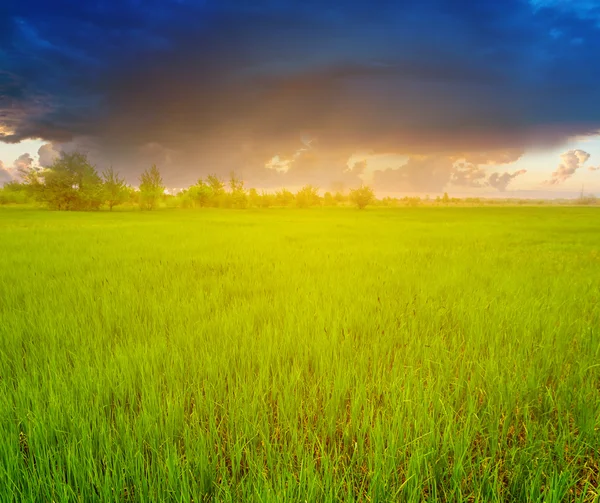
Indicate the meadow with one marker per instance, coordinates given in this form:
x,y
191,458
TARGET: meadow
x,y
328,354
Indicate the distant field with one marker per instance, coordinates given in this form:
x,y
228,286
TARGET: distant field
x,y
412,354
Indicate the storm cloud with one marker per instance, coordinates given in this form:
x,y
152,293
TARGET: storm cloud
x,y
422,174
47,154
207,86
23,162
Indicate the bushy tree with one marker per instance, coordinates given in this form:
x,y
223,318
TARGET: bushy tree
x,y
30,188
72,183
217,190
152,188
32,178
134,196
239,198
328,199
14,192
307,196
390,202
216,184
340,198
412,201
115,189
266,200
362,197
254,198
184,200
284,197
201,194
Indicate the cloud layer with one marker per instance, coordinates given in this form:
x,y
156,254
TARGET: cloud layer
x,y
220,85
422,174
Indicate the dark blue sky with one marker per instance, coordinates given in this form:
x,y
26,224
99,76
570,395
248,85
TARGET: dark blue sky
x,y
219,85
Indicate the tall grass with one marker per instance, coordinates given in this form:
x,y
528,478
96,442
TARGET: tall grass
x,y
426,354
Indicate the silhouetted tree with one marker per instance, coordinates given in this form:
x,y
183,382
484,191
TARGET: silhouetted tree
x,y
152,188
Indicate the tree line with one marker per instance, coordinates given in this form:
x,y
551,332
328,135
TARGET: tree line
x,y
73,183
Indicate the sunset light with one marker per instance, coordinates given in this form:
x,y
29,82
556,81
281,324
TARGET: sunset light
x,y
300,251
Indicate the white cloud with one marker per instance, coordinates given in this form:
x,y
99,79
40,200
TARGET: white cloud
x,y
571,162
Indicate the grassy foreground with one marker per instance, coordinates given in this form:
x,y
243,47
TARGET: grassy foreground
x,y
425,354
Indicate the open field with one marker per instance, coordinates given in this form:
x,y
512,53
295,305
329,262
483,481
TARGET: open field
x,y
412,354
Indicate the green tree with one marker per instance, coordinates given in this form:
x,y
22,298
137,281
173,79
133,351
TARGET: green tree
x,y
284,197
328,199
217,190
362,197
446,198
413,201
31,177
31,186
254,198
115,189
152,188
201,193
340,197
72,183
14,192
216,184
239,198
307,196
266,200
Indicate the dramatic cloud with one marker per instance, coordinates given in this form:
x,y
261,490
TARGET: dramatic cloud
x,y
422,174
216,85
494,157
316,166
501,181
23,162
571,162
418,175
594,168
47,154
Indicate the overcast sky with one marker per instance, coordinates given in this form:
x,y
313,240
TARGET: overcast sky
x,y
474,97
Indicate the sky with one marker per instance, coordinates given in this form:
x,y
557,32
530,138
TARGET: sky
x,y
472,97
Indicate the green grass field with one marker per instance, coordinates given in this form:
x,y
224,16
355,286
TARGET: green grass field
x,y
422,354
